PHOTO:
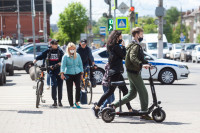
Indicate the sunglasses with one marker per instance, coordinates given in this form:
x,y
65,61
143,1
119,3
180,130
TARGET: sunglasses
x,y
55,44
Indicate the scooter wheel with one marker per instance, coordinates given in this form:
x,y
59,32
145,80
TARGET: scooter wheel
x,y
158,115
107,116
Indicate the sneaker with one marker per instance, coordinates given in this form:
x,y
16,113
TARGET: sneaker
x,y
96,112
54,104
77,106
60,104
48,87
146,117
72,107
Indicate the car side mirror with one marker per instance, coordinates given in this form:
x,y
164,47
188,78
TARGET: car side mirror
x,y
18,53
147,58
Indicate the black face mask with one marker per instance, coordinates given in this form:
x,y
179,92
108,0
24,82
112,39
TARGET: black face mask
x,y
140,39
120,41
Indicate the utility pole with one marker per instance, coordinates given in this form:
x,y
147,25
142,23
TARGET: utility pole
x,y
160,30
181,20
114,20
1,26
18,24
90,24
45,21
33,29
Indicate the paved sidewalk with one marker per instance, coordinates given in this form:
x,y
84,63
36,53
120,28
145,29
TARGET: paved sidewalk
x,y
19,115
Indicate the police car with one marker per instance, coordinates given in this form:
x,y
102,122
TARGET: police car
x,y
167,70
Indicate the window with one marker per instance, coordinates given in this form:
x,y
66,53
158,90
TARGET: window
x,y
103,54
199,49
152,46
43,48
178,46
3,50
12,51
28,50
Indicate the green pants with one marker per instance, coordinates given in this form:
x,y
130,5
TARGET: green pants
x,y
136,85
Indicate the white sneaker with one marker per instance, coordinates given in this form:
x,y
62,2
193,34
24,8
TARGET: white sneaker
x,y
48,87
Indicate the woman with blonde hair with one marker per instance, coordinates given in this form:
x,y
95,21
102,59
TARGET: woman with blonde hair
x,y
72,72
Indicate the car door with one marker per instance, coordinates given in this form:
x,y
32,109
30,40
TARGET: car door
x,y
17,57
145,72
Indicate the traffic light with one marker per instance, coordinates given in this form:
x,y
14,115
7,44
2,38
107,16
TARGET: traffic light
x,y
132,14
110,24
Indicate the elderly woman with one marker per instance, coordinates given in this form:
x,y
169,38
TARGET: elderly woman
x,y
72,72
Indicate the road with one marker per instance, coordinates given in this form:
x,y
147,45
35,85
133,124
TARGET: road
x,y
19,115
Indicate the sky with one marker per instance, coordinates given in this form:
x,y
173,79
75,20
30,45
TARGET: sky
x,y
143,7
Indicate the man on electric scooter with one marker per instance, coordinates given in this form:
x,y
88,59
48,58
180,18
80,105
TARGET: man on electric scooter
x,y
134,62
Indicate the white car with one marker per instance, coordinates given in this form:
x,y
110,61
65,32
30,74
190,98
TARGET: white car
x,y
40,47
167,70
196,54
9,62
21,59
175,51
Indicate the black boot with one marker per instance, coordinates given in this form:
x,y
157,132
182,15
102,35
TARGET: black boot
x,y
60,104
55,104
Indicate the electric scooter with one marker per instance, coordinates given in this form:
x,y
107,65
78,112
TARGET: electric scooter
x,y
159,115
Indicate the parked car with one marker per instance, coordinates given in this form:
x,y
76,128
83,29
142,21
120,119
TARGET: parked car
x,y
2,69
150,44
40,47
196,54
167,70
21,59
175,51
186,51
9,62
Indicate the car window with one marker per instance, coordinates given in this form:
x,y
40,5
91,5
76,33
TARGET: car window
x,y
178,46
43,48
28,50
152,46
199,49
189,48
103,54
3,50
12,51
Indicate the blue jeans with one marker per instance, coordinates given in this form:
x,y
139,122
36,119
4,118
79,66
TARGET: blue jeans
x,y
48,79
109,100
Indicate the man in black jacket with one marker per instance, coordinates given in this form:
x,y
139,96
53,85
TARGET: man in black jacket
x,y
54,57
86,55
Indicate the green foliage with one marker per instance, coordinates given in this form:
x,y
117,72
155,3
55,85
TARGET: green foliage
x,y
62,37
167,30
177,32
51,33
172,15
72,22
198,38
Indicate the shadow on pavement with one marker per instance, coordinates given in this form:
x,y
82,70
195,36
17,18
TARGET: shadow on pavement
x,y
10,84
8,110
171,84
29,112
64,107
174,123
9,80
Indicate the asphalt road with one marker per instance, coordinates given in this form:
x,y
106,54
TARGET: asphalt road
x,y
18,113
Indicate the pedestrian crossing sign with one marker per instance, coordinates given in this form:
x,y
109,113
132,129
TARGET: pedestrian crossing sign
x,y
121,23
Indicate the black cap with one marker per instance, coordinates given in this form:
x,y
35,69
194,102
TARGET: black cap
x,y
54,41
84,41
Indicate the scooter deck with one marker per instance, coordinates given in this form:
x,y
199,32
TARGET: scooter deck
x,y
131,113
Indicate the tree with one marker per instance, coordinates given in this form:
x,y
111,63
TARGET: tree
x,y
51,33
172,15
167,30
73,21
62,37
177,32
198,38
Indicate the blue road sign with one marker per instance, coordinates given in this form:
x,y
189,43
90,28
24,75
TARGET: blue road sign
x,y
122,23
102,31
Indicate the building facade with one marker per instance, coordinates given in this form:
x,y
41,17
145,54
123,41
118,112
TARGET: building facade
x,y
192,20
8,18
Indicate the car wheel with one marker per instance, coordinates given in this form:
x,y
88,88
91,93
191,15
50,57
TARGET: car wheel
x,y
27,67
98,75
4,79
167,76
11,71
1,79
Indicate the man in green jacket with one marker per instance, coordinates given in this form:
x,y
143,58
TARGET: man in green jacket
x,y
134,62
